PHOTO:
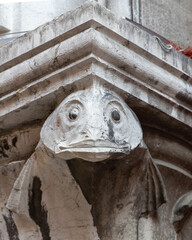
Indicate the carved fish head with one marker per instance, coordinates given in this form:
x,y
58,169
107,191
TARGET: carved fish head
x,y
91,124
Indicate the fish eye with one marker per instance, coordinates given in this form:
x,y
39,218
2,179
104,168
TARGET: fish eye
x,y
73,113
115,114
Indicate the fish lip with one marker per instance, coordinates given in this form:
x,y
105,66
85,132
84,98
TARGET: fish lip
x,y
91,144
94,147
91,153
112,148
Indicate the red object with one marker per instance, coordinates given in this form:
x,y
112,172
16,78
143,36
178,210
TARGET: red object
x,y
187,51
176,47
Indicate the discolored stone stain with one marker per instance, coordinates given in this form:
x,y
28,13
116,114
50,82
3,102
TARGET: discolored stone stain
x,y
108,95
111,132
2,153
4,146
120,206
185,97
4,172
153,81
37,211
185,77
14,141
11,227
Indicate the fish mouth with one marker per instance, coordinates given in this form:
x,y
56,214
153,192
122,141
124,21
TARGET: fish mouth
x,y
92,151
95,146
95,150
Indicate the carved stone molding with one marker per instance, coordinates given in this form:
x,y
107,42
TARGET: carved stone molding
x,y
48,60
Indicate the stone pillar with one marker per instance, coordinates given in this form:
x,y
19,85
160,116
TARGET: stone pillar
x,y
95,133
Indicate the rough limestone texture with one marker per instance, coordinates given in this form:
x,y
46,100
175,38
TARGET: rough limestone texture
x,y
94,125
95,132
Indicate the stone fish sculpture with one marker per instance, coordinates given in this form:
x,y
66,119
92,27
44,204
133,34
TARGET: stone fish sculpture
x,y
108,168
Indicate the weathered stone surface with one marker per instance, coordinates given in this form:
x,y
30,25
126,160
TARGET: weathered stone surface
x,y
93,124
50,59
39,73
19,144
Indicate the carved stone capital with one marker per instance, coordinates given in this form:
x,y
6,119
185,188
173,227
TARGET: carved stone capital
x,y
97,126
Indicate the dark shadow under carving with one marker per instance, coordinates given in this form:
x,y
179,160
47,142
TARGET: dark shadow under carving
x,y
127,186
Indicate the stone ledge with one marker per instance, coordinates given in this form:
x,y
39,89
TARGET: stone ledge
x,y
79,20
39,72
